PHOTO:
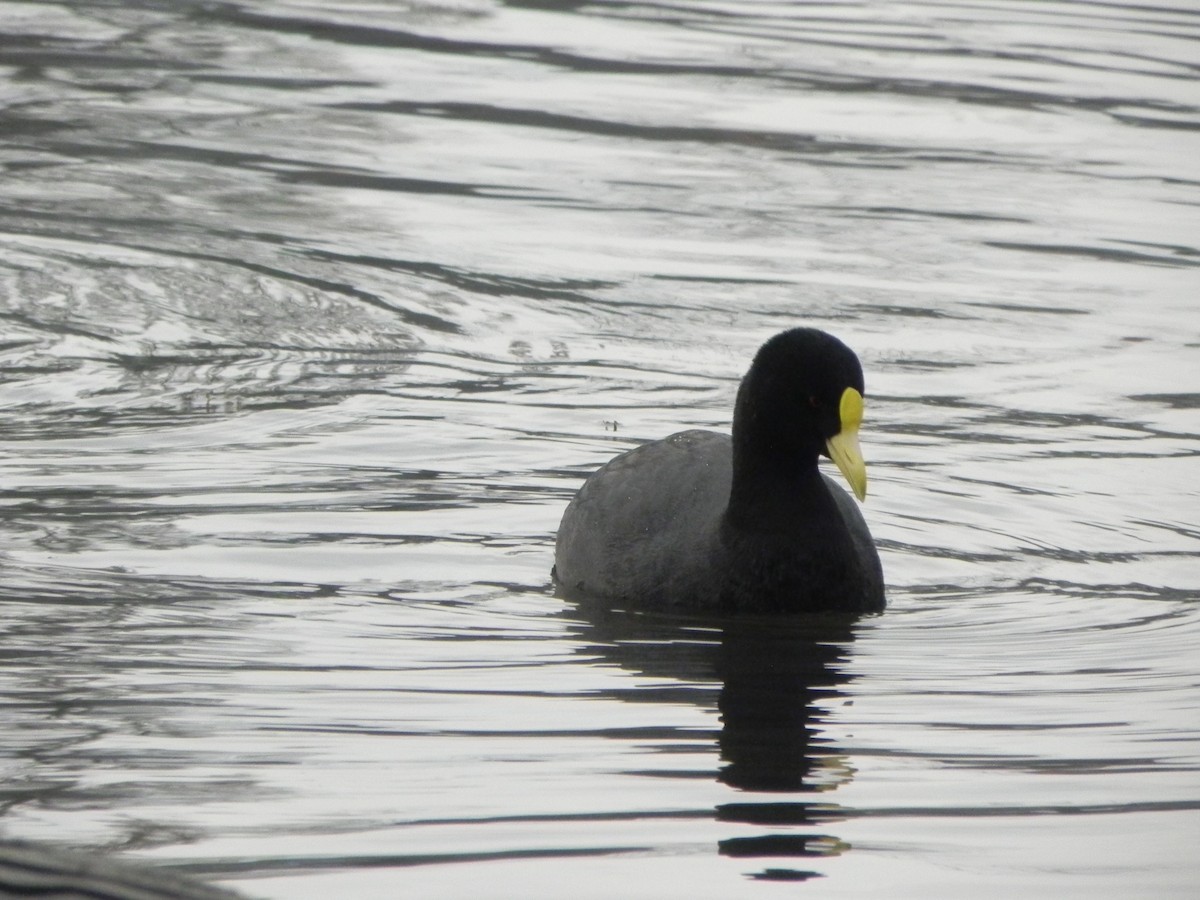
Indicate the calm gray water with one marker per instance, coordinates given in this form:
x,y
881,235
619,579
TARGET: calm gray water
x,y
314,315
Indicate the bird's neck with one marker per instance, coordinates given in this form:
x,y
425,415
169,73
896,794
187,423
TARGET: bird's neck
x,y
776,497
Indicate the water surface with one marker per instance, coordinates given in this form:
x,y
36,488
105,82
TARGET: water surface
x,y
314,316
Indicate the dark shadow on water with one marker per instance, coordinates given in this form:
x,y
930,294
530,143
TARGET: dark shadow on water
x,y
772,679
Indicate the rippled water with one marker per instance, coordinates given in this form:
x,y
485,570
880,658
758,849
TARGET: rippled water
x,y
313,316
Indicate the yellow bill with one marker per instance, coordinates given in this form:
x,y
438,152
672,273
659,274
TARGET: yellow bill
x,y
843,447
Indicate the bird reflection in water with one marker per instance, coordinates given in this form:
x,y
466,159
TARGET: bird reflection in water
x,y
774,676
772,680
